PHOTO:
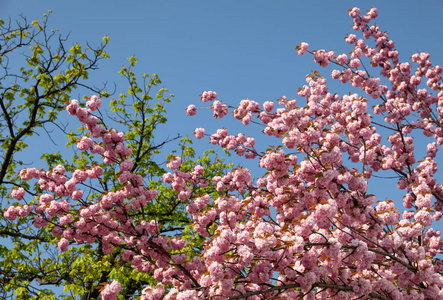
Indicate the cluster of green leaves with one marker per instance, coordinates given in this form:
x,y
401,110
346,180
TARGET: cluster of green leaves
x,y
38,73
32,94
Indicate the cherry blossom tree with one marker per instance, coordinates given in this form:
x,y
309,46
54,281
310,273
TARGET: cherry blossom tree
x,y
308,227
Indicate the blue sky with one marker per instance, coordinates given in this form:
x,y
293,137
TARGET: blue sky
x,y
238,48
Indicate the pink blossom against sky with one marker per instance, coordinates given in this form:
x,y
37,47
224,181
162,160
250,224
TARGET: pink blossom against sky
x,y
241,51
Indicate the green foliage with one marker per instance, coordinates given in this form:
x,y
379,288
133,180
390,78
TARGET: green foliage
x,y
31,96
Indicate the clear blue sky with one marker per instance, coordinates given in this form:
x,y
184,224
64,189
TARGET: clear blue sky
x,y
238,48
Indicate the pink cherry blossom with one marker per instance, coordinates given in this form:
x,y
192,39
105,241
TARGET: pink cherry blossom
x,y
111,290
18,193
191,110
199,133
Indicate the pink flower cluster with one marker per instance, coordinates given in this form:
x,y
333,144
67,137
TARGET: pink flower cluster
x,y
199,133
244,110
191,110
240,143
323,58
208,96
93,103
111,291
220,110
18,193
174,163
302,48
